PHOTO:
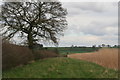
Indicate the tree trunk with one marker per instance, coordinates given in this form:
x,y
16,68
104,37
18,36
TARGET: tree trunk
x,y
31,44
30,38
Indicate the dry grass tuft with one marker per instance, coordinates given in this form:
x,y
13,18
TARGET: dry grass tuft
x,y
106,57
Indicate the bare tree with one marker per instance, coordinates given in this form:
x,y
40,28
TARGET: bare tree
x,y
40,21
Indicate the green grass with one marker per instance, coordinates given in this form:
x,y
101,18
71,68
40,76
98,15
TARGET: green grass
x,y
60,68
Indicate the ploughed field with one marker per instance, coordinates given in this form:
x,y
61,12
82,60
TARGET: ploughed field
x,y
107,57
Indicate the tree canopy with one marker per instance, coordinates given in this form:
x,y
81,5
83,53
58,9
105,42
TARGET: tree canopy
x,y
38,21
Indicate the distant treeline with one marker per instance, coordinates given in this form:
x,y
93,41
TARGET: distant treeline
x,y
99,46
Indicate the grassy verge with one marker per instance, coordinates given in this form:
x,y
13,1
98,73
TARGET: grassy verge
x,y
60,68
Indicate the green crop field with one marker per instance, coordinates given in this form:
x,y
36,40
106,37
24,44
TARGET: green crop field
x,y
60,68
69,50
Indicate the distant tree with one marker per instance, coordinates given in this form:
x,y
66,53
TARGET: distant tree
x,y
75,46
39,21
103,45
108,46
115,46
94,46
99,46
72,46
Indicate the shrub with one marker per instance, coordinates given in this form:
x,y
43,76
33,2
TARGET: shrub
x,y
41,54
13,55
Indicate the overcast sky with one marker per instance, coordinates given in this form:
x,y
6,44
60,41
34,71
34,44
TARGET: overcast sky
x,y
91,23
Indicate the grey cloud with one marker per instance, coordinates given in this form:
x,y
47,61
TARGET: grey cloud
x,y
100,29
76,8
110,38
90,6
94,28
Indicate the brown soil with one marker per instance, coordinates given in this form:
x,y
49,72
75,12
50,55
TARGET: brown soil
x,y
104,57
